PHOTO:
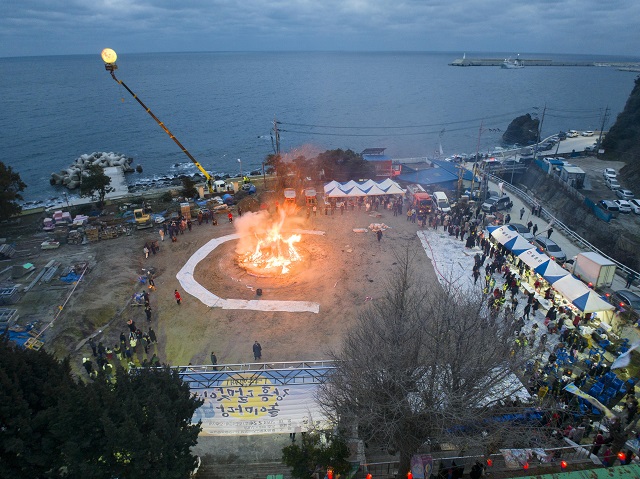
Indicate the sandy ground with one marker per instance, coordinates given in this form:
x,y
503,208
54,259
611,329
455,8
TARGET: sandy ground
x,y
342,271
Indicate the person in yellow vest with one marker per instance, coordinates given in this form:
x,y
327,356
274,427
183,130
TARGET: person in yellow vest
x,y
542,392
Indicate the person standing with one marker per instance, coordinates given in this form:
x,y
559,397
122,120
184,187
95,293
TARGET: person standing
x,y
176,295
152,336
161,233
379,235
631,277
147,311
535,229
549,231
92,343
257,351
597,444
521,212
214,360
230,216
88,365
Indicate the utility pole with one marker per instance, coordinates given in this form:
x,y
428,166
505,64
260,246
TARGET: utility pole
x,y
277,135
475,162
535,150
605,118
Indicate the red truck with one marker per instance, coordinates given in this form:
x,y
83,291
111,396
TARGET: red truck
x,y
419,198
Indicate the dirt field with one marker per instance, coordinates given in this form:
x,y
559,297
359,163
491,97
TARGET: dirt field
x,y
341,271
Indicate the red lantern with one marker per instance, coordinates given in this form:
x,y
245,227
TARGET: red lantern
x,y
489,462
526,466
563,465
622,456
369,476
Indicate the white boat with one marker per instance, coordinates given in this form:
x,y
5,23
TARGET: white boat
x,y
512,64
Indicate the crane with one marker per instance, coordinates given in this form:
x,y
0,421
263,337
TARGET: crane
x,y
109,58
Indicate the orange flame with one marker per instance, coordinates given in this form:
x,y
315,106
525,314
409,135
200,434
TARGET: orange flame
x,y
273,250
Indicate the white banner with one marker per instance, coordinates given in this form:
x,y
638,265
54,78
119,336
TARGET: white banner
x,y
263,407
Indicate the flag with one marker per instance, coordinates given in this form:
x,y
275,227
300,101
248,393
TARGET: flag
x,y
573,389
624,359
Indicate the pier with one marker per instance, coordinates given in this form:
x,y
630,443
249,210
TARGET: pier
x,y
533,62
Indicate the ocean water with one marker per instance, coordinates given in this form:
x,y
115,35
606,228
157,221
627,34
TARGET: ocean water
x,y
221,107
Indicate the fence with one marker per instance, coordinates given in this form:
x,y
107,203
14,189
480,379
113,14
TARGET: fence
x,y
543,458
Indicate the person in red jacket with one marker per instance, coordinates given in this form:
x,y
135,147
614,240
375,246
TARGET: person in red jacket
x,y
176,294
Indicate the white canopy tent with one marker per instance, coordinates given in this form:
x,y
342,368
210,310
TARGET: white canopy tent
x,y
335,189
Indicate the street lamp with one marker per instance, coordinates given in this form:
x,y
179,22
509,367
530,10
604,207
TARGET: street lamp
x,y
240,161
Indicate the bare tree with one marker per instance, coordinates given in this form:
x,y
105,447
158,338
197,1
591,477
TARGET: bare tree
x,y
424,363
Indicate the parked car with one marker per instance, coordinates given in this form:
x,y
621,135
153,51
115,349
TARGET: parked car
x,y
623,205
635,206
612,183
550,248
627,299
609,206
608,173
624,194
572,134
522,230
587,133
562,136
497,203
591,148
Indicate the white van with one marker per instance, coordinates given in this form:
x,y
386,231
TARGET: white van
x,y
440,201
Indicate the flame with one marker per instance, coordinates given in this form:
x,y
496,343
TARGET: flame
x,y
272,249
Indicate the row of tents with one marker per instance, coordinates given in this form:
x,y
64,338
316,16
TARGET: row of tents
x,y
572,288
335,189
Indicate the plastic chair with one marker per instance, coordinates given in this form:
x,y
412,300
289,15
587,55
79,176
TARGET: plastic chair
x,y
609,377
604,343
616,384
596,389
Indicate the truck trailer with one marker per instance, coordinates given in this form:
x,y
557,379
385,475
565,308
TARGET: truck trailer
x,y
595,269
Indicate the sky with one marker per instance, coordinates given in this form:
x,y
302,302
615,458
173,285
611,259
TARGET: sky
x,y
62,27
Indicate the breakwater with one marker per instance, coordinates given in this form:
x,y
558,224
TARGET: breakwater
x,y
533,62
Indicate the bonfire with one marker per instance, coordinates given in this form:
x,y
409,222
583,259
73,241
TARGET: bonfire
x,y
273,250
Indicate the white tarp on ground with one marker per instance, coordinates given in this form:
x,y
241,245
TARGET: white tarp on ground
x,y
367,188
191,286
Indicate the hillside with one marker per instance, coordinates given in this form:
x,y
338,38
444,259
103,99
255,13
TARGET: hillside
x,y
623,140
619,239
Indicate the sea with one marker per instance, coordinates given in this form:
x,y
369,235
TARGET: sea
x,y
222,106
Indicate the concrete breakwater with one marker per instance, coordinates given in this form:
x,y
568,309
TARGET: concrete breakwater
x,y
533,62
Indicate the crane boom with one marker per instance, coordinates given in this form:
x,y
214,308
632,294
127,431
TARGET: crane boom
x,y
209,180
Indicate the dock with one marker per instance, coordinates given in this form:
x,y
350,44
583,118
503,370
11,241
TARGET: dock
x,y
536,62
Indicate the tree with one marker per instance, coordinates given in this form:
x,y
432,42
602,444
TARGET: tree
x,y
315,453
423,363
54,426
95,183
275,164
10,187
344,165
189,187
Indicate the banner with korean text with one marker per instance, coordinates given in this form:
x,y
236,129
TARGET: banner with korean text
x,y
243,404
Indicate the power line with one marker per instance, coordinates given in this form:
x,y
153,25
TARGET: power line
x,y
418,133
404,126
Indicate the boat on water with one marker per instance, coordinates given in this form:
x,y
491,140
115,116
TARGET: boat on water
x,y
510,64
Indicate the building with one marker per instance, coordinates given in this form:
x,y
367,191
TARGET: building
x,y
441,175
384,167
